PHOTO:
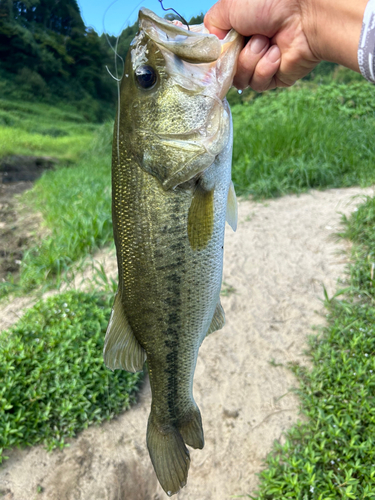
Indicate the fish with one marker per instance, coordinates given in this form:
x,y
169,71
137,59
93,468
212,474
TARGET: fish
x,y
171,195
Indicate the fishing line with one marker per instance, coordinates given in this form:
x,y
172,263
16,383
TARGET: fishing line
x,y
175,11
116,57
118,455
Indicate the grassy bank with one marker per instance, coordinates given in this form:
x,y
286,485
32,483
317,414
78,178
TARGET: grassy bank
x,y
332,455
40,129
284,141
76,207
302,138
74,200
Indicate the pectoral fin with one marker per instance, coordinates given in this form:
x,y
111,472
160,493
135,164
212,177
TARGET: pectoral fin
x,y
121,348
232,208
201,218
218,321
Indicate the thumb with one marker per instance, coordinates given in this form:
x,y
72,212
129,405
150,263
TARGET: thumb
x,y
217,19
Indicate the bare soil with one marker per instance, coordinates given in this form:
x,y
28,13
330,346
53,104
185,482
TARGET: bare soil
x,y
17,225
17,228
274,270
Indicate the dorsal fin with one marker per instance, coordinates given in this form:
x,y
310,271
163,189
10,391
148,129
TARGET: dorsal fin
x,y
121,348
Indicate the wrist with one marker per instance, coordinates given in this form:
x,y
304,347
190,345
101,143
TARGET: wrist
x,y
333,29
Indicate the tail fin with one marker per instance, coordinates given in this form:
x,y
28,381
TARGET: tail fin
x,y
169,456
191,429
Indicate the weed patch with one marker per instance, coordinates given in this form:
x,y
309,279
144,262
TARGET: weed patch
x,y
39,129
332,455
53,380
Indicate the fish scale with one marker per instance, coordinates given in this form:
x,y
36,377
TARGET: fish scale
x,y
171,179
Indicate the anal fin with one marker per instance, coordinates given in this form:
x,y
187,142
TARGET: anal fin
x,y
232,208
218,320
121,348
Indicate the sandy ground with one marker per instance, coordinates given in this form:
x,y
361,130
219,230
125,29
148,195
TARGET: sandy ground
x,y
274,268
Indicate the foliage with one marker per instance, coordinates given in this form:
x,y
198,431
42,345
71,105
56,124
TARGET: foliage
x,y
47,54
41,129
325,73
332,455
304,137
53,380
360,229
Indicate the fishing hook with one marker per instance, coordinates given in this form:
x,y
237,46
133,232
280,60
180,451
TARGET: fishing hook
x,y
170,8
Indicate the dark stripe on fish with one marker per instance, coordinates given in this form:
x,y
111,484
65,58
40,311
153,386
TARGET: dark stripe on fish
x,y
176,270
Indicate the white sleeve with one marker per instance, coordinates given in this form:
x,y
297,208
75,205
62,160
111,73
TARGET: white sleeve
x,y
366,47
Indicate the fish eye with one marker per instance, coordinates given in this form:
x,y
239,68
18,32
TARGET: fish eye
x,y
146,76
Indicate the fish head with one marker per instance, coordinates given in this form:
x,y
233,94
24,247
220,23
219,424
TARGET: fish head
x,y
172,112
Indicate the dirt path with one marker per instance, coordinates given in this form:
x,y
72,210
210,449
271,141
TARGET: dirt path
x,y
274,269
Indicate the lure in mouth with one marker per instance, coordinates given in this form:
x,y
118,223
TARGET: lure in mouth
x,y
199,57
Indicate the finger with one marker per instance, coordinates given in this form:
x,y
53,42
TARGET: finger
x,y
217,19
249,57
266,69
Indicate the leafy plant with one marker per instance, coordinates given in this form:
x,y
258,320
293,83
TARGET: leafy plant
x,y
53,382
332,454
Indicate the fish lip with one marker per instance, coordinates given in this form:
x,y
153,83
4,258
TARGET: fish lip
x,y
146,15
205,60
196,45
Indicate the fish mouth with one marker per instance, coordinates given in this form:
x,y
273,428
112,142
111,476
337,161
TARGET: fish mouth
x,y
195,46
203,60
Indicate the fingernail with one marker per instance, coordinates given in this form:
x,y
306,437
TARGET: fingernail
x,y
274,54
257,45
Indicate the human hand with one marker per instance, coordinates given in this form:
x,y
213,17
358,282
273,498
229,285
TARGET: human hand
x,y
288,37
278,51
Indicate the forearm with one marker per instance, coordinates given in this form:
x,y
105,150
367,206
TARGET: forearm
x,y
333,29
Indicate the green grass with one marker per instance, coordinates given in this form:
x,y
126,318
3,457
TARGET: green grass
x,y
76,206
305,137
284,141
53,380
332,454
75,202
39,129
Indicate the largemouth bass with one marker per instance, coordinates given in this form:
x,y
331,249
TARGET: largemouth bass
x,y
172,192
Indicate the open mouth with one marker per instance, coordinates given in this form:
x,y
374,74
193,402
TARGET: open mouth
x,y
198,56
